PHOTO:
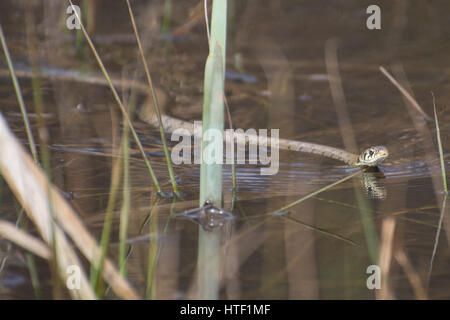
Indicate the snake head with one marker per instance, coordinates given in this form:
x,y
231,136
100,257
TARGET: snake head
x,y
373,156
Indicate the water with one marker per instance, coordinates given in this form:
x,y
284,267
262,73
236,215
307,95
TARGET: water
x,y
319,249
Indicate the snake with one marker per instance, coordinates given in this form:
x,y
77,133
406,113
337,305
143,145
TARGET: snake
x,y
370,157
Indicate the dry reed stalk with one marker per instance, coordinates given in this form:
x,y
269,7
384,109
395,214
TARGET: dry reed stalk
x,y
412,275
42,201
19,237
405,93
17,169
385,259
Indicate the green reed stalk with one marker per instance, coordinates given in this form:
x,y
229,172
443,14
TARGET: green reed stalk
x,y
16,85
436,238
43,142
444,184
126,194
233,167
314,193
36,91
155,102
150,288
167,15
34,276
212,146
367,221
156,247
119,102
441,153
97,267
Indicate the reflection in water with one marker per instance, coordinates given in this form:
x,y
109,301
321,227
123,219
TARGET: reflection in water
x,y
209,217
371,184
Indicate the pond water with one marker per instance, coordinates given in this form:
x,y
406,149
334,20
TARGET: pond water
x,y
276,56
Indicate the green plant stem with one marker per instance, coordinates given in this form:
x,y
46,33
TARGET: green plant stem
x,y
16,85
312,194
97,269
441,152
208,260
126,202
155,102
119,102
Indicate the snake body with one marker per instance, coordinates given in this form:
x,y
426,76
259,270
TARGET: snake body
x,y
171,124
370,157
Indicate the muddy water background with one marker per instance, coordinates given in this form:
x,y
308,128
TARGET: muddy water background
x,y
281,46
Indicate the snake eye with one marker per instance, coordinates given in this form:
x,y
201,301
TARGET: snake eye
x,y
373,156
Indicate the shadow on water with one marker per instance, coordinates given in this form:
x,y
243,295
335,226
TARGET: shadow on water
x,y
277,79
